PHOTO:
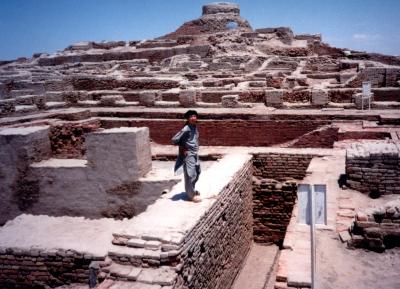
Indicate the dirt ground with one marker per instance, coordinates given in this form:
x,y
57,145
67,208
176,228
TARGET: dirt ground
x,y
342,268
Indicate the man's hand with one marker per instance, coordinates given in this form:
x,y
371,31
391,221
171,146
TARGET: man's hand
x,y
183,151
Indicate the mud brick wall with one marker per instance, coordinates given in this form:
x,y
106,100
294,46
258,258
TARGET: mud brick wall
x,y
297,96
35,268
7,106
99,83
67,140
323,137
215,249
392,76
58,85
377,229
153,55
342,95
377,76
386,94
225,132
272,209
374,167
281,166
244,96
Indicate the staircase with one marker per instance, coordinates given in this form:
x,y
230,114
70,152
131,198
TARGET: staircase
x,y
137,263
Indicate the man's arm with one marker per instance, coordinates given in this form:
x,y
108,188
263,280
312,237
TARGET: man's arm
x,y
177,139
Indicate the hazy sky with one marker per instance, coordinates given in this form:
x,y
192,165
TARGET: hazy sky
x,y
29,26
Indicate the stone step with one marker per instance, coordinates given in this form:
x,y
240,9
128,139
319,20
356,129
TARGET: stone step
x,y
138,256
55,104
137,251
53,163
129,285
137,243
162,276
26,108
88,103
128,272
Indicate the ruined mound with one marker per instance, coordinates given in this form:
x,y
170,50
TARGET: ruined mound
x,y
217,17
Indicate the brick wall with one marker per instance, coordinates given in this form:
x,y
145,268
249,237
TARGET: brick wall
x,y
386,94
272,209
35,268
215,249
281,166
392,76
67,140
104,83
226,132
377,76
323,137
374,167
297,96
273,200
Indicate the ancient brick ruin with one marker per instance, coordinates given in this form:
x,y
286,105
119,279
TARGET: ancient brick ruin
x,y
86,185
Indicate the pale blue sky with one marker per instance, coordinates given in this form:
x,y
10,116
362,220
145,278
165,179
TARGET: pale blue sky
x,y
30,26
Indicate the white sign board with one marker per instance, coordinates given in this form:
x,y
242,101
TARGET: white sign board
x,y
304,201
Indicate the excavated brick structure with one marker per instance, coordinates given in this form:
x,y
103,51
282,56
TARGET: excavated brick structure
x,y
252,88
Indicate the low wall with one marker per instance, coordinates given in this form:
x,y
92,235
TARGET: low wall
x,y
42,268
324,137
108,83
377,229
244,96
374,167
225,132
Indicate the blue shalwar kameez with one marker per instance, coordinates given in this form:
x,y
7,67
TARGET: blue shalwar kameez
x,y
188,140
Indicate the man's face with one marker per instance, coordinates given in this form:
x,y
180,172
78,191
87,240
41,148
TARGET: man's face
x,y
192,119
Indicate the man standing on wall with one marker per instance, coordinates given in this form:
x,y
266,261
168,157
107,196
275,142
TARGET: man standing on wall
x,y
188,140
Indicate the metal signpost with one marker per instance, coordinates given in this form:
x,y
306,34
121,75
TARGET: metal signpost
x,y
312,232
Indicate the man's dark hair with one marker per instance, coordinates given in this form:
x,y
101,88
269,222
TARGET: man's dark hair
x,y
189,113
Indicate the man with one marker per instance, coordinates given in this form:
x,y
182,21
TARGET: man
x,y
188,140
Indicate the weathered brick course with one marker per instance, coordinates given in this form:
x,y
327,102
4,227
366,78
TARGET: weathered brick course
x,y
226,132
214,250
272,209
24,269
374,167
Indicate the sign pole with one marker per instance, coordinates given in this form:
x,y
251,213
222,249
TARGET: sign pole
x,y
312,229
